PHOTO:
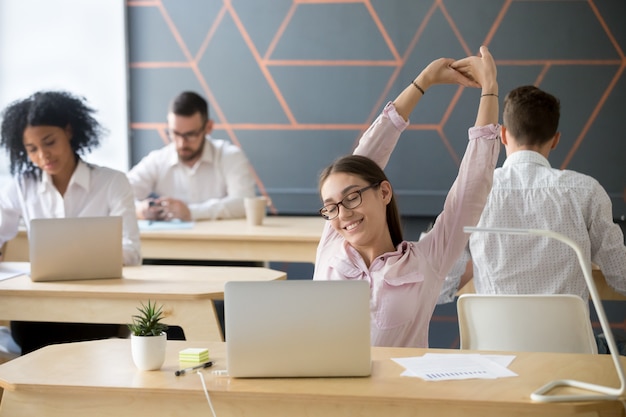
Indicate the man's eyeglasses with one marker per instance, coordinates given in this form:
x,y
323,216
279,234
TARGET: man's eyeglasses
x,y
351,201
188,136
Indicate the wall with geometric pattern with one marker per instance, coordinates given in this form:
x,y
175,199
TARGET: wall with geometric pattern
x,y
295,82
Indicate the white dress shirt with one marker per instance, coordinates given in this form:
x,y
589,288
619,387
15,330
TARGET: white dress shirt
x,y
528,194
214,188
92,191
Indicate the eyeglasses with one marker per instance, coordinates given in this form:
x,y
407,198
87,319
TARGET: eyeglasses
x,y
188,136
351,201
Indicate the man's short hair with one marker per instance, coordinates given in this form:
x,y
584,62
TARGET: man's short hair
x,y
189,103
531,115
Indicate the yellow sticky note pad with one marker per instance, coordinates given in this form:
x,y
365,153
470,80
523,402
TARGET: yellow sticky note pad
x,y
193,355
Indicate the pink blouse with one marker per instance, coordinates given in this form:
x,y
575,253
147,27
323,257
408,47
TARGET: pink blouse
x,y
405,284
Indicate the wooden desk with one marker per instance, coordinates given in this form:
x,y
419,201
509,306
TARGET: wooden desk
x,y
284,239
280,238
99,379
185,291
604,290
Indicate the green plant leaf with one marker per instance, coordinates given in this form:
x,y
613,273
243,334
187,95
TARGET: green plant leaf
x,y
148,321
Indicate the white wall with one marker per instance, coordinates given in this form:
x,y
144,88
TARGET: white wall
x,y
74,45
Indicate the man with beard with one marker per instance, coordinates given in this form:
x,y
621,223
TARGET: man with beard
x,y
194,177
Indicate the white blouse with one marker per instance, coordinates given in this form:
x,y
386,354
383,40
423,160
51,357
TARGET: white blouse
x,y
93,191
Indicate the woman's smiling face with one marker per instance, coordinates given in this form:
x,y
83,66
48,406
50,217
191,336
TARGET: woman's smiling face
x,y
362,225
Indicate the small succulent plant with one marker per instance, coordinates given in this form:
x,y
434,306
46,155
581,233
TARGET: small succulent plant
x,y
148,322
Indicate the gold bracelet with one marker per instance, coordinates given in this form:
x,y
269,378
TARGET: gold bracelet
x,y
418,87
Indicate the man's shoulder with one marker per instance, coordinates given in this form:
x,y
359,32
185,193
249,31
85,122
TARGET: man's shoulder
x,y
104,171
222,144
221,148
539,173
577,180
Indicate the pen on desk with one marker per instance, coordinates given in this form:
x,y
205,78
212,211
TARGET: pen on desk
x,y
192,368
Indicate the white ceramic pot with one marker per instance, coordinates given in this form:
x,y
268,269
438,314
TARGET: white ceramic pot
x,y
148,351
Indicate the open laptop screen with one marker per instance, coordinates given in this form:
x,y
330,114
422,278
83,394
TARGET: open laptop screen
x,y
298,328
75,248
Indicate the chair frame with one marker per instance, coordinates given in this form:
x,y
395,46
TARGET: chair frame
x,y
602,392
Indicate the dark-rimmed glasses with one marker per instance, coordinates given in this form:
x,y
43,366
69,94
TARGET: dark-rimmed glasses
x,y
351,201
187,136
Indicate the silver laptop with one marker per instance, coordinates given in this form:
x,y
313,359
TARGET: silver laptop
x,y
297,328
75,248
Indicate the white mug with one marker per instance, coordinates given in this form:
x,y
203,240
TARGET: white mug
x,y
256,208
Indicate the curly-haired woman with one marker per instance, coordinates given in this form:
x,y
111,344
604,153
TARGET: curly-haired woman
x,y
45,136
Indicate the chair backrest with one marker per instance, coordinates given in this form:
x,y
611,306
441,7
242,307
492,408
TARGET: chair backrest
x,y
531,323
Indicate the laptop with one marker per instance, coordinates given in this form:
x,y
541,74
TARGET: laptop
x,y
297,328
76,248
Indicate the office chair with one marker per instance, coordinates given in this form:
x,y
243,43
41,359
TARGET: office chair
x,y
533,323
600,392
